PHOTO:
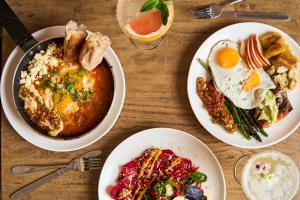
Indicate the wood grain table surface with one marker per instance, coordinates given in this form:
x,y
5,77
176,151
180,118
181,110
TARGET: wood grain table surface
x,y
156,94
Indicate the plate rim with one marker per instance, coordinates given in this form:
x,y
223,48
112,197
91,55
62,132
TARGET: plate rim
x,y
258,146
60,145
147,131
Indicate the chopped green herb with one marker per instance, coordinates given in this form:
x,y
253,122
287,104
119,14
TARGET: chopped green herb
x,y
81,72
160,188
53,72
148,197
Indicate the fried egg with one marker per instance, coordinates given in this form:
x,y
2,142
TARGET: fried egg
x,y
246,88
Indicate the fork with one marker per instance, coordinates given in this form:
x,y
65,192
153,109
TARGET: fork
x,y
212,10
79,164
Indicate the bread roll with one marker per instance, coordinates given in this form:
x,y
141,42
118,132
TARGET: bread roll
x,y
74,39
93,50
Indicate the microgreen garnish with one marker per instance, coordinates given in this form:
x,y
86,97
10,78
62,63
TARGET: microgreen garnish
x,y
160,5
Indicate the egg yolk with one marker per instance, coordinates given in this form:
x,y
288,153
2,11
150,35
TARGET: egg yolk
x,y
252,81
227,58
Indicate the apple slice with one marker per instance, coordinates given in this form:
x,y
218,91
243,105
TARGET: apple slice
x,y
253,53
243,50
258,50
251,63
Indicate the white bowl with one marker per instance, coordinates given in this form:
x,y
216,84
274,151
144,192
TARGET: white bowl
x,y
45,142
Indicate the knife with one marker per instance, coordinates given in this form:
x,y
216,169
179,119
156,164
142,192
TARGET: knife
x,y
257,15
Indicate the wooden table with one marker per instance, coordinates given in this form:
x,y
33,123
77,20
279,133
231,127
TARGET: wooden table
x,y
156,93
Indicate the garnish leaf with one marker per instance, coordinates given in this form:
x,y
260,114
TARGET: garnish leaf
x,y
198,177
164,11
149,5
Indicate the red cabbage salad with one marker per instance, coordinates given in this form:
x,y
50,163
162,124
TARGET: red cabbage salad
x,y
159,174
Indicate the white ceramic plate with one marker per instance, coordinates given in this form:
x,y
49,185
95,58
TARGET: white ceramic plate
x,y
277,132
48,143
181,143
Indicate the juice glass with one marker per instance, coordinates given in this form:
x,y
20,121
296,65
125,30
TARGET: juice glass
x,y
269,175
145,21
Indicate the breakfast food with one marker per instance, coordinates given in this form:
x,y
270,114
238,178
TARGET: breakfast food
x,y
270,175
250,80
213,101
245,87
60,96
159,174
284,67
92,52
74,38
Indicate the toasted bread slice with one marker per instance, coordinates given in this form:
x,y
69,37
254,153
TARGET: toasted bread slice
x,y
287,59
268,39
93,51
74,39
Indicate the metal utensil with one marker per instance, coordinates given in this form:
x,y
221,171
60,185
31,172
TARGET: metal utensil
x,y
85,162
256,15
24,169
212,10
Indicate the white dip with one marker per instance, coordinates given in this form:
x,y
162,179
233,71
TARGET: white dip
x,y
270,175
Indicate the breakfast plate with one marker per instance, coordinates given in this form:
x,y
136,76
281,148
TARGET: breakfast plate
x,y
181,143
16,119
235,33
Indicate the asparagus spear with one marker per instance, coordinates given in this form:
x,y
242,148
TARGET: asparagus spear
x,y
234,112
251,129
255,124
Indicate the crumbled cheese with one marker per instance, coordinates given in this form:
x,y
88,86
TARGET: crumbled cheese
x,y
48,98
71,107
38,66
88,83
169,190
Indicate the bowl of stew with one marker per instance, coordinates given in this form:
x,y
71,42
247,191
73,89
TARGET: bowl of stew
x,y
67,107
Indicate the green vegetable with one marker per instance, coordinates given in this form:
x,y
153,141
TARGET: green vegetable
x,y
81,72
236,117
160,5
204,64
173,183
147,197
198,177
53,72
160,188
254,123
250,128
46,80
268,108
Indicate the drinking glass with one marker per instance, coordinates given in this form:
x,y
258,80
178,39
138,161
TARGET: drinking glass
x,y
145,21
267,175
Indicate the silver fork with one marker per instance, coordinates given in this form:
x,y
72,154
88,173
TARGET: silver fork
x,y
82,163
212,10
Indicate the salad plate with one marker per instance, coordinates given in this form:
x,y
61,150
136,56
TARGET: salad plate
x,y
181,143
235,33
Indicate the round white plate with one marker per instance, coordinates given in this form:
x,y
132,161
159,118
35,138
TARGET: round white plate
x,y
181,143
278,131
44,142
